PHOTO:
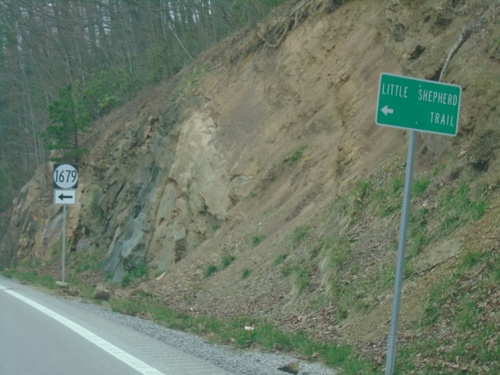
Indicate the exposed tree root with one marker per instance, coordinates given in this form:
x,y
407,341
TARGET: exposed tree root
x,y
464,35
274,31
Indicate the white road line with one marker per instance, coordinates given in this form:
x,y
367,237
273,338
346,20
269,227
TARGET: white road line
x,y
116,352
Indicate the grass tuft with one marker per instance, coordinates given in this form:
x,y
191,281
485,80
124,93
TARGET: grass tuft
x,y
210,270
256,239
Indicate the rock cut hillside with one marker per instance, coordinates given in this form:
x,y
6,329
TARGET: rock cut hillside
x,y
262,162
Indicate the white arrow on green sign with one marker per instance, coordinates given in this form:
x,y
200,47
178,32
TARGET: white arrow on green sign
x,y
418,104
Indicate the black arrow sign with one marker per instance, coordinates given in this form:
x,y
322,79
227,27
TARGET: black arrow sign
x,y
63,197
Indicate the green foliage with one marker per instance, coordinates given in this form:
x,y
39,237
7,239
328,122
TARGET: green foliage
x,y
30,277
210,270
362,190
242,12
214,226
418,234
471,259
68,119
299,234
381,195
300,273
296,156
287,270
5,176
72,112
256,239
154,65
245,273
301,278
459,321
420,185
456,208
190,82
105,89
86,261
495,47
226,261
280,259
137,272
338,250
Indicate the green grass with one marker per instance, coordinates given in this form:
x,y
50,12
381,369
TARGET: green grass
x,y
189,82
338,250
457,322
86,261
245,273
300,274
279,259
256,239
420,186
299,234
210,270
381,195
31,277
362,190
214,226
302,278
456,208
296,155
138,272
226,261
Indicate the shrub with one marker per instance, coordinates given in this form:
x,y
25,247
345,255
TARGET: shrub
x,y
256,239
245,273
210,270
226,261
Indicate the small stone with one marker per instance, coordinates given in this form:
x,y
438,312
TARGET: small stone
x,y
102,293
291,368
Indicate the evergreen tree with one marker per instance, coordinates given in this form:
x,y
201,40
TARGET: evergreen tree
x,y
67,121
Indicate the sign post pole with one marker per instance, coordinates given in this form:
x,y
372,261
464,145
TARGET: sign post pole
x,y
63,255
391,348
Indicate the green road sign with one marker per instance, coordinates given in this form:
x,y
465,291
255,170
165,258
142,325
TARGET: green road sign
x,y
418,104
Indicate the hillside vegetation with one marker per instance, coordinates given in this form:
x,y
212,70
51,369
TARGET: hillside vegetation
x,y
254,189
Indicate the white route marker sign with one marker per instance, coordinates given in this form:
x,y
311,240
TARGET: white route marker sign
x,y
65,176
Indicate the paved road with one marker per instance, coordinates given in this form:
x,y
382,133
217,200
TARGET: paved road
x,y
41,334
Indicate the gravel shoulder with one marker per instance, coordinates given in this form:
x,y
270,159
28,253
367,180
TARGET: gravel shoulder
x,y
170,351
236,362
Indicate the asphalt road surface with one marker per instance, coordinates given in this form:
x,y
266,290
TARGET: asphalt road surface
x,y
41,334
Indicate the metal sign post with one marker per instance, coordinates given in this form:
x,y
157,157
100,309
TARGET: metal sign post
x,y
391,348
63,255
417,105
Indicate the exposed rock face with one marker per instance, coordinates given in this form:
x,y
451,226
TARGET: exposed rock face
x,y
176,204
34,225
